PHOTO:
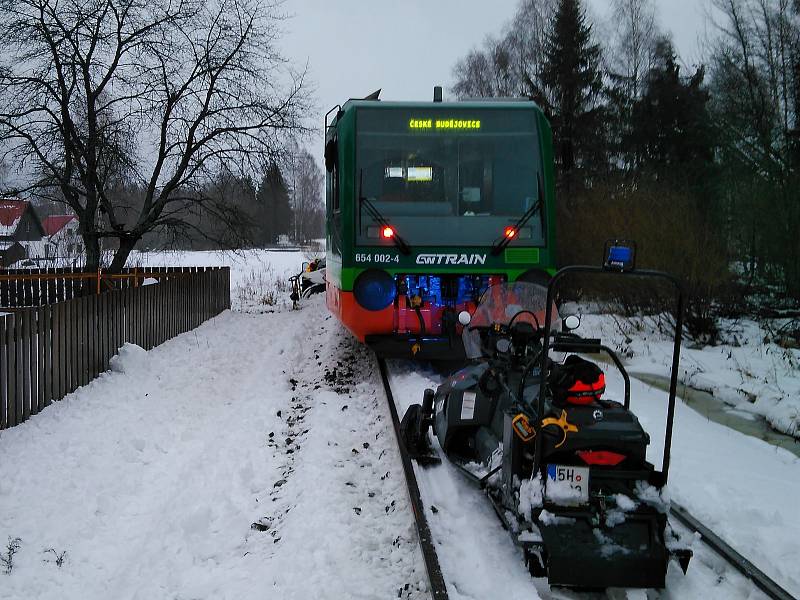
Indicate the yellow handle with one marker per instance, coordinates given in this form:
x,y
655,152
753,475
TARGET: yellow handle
x,y
565,426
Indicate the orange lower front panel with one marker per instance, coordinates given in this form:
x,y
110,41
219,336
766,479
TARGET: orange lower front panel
x,y
359,320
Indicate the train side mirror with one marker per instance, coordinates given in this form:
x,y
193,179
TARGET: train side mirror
x,y
331,151
571,322
464,318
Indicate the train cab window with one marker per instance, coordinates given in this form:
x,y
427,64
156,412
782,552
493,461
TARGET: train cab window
x,y
448,177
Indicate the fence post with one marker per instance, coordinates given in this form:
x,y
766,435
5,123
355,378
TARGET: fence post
x,y
3,375
91,336
80,340
19,394
11,370
46,354
40,372
55,352
69,346
25,373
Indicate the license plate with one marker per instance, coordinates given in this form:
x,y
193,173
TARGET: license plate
x,y
567,485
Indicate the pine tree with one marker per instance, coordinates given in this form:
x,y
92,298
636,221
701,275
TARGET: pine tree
x,y
573,81
275,213
672,137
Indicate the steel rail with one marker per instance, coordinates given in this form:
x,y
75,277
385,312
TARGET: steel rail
x,y
438,588
760,579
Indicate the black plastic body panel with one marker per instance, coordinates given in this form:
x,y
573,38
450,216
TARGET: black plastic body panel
x,y
433,348
631,554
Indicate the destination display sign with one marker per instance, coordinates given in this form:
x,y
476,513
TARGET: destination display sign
x,y
446,124
459,121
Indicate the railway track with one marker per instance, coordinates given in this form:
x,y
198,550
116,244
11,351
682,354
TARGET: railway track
x,y
438,588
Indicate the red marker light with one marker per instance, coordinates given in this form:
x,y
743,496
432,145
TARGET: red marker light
x,y
509,232
388,232
601,457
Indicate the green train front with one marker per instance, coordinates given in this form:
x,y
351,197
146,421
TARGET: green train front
x,y
425,210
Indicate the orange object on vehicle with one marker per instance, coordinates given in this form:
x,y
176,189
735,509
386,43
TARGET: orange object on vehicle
x,y
582,392
577,381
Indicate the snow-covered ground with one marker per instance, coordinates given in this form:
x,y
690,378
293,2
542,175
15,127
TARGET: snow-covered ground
x,y
749,372
259,278
149,480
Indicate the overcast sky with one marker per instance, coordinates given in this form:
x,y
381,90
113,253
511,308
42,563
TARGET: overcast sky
x,y
353,47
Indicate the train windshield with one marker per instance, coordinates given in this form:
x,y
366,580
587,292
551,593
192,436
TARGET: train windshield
x,y
448,176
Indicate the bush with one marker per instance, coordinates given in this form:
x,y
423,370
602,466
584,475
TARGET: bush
x,y
671,233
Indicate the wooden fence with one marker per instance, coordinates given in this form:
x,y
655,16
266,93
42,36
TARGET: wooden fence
x,y
36,287
48,351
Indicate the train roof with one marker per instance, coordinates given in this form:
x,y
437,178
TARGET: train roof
x,y
496,103
471,103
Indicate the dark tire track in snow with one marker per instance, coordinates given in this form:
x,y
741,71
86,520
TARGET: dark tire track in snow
x,y
342,453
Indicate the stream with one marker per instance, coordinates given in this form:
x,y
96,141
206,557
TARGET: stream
x,y
716,410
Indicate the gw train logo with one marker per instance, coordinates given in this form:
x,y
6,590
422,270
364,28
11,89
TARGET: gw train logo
x,y
451,259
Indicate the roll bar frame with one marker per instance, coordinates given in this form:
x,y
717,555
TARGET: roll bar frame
x,y
673,382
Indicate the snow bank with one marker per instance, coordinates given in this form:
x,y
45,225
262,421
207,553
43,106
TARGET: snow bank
x,y
749,372
129,359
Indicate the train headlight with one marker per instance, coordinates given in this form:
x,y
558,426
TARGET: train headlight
x,y
374,289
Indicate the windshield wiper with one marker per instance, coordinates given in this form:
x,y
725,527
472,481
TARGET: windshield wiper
x,y
379,218
500,244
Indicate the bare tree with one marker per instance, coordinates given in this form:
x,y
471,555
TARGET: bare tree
x,y
755,102
4,175
753,73
165,95
512,64
634,45
306,192
487,72
528,35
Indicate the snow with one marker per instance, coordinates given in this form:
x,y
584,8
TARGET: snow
x,y
531,496
562,492
228,463
11,228
129,359
150,477
258,277
548,518
751,375
624,503
657,498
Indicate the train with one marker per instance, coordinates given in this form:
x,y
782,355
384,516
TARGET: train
x,y
441,246
428,204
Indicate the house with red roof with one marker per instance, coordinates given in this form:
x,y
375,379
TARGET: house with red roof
x,y
63,236
21,231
